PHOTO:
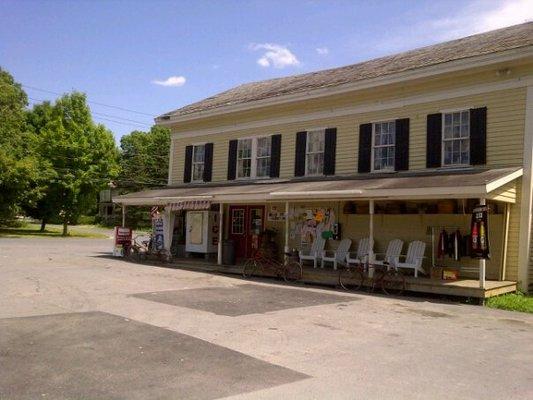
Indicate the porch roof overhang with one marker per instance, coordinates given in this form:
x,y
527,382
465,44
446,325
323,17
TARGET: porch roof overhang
x,y
495,183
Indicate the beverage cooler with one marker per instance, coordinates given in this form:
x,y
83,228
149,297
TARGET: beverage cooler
x,y
202,232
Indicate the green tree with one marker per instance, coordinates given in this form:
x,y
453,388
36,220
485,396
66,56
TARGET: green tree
x,y
144,158
19,166
81,158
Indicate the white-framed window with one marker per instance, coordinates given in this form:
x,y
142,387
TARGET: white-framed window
x,y
314,152
198,162
262,157
383,145
456,138
253,157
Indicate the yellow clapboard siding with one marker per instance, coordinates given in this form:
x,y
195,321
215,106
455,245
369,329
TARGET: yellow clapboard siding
x,y
504,135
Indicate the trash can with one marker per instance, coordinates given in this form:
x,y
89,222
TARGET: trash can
x,y
228,252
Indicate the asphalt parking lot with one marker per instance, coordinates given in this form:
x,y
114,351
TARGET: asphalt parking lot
x,y
76,324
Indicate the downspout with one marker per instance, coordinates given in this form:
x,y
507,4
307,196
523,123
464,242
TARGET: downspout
x,y
524,239
503,271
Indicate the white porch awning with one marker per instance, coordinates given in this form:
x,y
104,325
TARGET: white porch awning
x,y
496,183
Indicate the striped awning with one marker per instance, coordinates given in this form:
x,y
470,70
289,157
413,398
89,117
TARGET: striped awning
x,y
190,205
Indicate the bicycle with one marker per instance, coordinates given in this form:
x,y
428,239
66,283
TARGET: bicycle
x,y
142,247
390,280
290,271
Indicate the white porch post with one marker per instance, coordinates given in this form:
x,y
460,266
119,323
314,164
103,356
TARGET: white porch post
x,y
371,236
123,215
220,232
286,249
482,262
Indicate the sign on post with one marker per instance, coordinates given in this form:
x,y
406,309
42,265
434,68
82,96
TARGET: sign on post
x,y
158,227
479,232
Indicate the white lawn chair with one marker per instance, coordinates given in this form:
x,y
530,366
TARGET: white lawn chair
x,y
338,256
361,255
314,253
392,255
414,257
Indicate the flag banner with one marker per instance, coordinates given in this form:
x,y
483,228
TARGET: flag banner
x,y
479,232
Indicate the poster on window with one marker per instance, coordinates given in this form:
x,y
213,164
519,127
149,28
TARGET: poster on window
x,y
275,214
317,222
479,232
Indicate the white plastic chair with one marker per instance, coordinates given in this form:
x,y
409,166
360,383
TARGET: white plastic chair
x,y
338,256
361,255
392,255
314,253
414,257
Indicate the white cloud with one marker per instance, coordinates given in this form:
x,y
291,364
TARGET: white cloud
x,y
172,81
322,50
473,17
275,55
479,16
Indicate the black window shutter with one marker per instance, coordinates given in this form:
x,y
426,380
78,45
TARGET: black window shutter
x,y
275,155
478,136
401,152
434,141
365,148
208,162
188,164
299,158
330,149
232,159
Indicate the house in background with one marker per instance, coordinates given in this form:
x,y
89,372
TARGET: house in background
x,y
397,147
107,210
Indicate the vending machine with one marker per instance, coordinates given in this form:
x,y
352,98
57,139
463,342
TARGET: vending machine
x,y
201,232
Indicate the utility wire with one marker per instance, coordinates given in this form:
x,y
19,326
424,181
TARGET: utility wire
x,y
89,101
137,124
121,118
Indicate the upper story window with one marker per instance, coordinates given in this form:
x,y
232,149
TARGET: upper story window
x,y
253,157
383,146
198,162
314,155
456,138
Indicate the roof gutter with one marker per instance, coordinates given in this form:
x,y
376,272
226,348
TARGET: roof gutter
x,y
450,66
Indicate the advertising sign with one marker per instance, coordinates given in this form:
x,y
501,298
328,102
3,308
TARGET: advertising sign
x,y
122,240
158,227
479,232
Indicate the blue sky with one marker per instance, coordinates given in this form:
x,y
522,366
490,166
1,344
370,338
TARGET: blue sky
x,y
155,56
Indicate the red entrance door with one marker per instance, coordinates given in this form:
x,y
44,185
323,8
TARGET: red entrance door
x,y
246,227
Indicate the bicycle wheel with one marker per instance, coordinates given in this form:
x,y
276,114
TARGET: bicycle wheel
x,y
249,268
292,271
351,278
393,282
165,256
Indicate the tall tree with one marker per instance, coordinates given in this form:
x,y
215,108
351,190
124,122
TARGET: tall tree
x,y
144,158
81,157
19,166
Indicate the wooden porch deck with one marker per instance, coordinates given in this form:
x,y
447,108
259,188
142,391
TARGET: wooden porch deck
x,y
329,277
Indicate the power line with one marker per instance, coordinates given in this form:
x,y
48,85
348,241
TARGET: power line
x,y
117,117
137,123
89,101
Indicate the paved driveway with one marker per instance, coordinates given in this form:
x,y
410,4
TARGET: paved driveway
x,y
76,324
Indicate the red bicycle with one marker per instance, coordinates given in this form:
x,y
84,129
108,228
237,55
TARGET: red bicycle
x,y
261,264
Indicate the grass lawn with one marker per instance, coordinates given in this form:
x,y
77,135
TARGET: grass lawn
x,y
512,302
33,230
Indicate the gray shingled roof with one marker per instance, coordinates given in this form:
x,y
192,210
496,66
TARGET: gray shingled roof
x,y
485,43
